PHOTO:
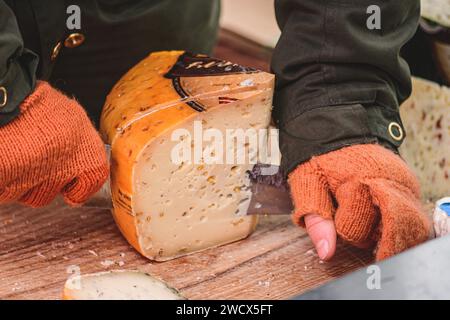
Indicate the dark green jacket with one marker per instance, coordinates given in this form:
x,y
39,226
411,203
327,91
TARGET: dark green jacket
x,y
338,83
117,34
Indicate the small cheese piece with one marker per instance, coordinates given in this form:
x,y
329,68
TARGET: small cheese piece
x,y
185,130
426,117
118,285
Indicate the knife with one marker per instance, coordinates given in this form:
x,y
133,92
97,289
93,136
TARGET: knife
x,y
270,192
266,199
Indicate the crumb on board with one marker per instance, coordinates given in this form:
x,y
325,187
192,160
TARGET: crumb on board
x,y
69,245
16,287
93,253
107,263
307,268
311,252
264,283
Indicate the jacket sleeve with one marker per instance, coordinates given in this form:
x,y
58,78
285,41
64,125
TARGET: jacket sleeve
x,y
338,82
17,66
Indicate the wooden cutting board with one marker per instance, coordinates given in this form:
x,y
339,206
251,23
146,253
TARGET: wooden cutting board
x,y
39,248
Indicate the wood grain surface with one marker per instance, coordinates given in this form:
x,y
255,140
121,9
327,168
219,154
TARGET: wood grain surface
x,y
39,248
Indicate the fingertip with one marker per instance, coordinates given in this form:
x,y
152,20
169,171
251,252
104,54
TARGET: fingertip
x,y
323,235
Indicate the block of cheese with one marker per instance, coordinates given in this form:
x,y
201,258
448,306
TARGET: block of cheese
x,y
426,117
168,204
118,285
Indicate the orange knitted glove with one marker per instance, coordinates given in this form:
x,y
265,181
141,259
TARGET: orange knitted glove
x,y
51,147
376,195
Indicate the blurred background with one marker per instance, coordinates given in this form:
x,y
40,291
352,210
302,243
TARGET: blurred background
x,y
249,33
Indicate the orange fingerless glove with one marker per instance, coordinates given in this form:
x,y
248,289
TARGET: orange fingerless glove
x,y
370,193
51,148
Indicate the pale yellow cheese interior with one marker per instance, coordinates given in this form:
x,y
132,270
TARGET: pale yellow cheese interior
x,y
184,208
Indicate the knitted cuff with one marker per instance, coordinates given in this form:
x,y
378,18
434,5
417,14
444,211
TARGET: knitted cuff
x,y
310,194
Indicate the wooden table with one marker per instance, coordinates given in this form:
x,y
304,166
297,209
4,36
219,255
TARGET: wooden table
x,y
40,247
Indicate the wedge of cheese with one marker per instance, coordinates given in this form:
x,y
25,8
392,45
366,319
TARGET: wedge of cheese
x,y
118,285
426,117
174,191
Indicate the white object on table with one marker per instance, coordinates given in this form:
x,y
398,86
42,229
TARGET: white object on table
x,y
441,217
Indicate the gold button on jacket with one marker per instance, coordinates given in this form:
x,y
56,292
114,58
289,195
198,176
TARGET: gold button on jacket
x,y
3,97
396,131
56,51
74,40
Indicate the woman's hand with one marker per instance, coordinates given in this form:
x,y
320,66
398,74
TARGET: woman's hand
x,y
365,194
51,148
